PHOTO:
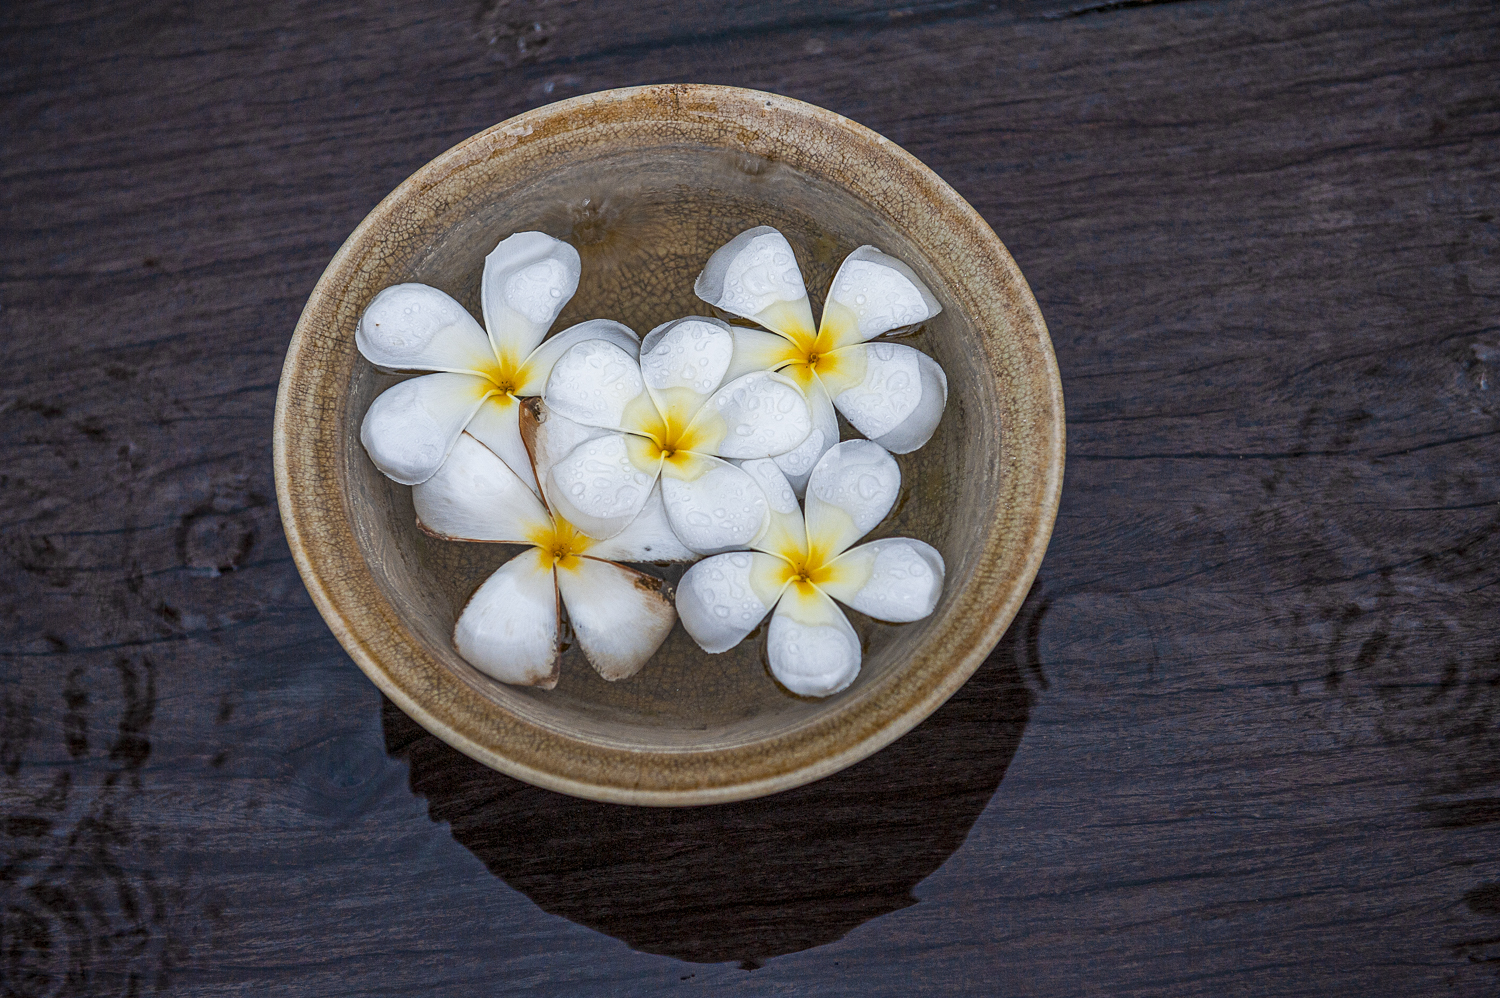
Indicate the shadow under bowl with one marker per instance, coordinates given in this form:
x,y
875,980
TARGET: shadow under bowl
x,y
647,182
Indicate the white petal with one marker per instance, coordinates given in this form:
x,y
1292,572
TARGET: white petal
x,y
597,487
755,275
595,383
475,496
538,366
758,350
509,630
784,534
497,426
410,427
620,616
722,599
411,327
897,579
648,538
683,362
872,294
900,394
759,415
528,278
852,488
712,505
797,463
810,646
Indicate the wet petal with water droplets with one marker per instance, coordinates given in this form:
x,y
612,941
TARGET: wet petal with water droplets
x,y
760,415
648,538
722,599
411,327
497,426
917,428
785,534
410,427
683,362
900,396
597,383
538,367
712,505
598,487
620,616
528,278
549,437
797,463
508,630
851,489
755,276
812,649
872,294
898,579
475,496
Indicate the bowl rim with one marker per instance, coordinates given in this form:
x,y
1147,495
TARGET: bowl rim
x,y
330,566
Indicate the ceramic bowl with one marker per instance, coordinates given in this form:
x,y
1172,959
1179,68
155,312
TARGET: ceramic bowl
x,y
646,183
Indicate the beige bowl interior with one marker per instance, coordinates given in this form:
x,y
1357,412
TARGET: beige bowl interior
x,y
646,183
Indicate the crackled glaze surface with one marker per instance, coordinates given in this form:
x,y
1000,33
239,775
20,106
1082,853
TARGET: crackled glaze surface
x,y
647,183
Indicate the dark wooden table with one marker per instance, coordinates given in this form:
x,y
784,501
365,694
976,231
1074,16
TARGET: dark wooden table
x,y
1244,737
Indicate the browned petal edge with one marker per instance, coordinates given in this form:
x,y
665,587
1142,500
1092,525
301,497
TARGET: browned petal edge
x,y
316,514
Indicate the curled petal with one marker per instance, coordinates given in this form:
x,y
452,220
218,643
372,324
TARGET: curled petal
x,y
851,489
648,538
811,648
528,278
620,616
712,505
508,630
785,534
682,362
538,367
411,327
475,496
410,427
896,579
597,383
497,426
722,599
598,487
899,397
759,415
755,275
758,350
872,294
797,463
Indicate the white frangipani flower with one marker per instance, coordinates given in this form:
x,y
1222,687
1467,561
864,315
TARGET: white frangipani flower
x,y
616,425
891,393
410,428
511,626
803,563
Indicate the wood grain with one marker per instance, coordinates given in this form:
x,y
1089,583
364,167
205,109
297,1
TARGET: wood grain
x,y
1252,699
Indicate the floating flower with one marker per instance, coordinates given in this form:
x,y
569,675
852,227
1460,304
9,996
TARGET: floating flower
x,y
891,393
616,425
802,564
510,628
410,428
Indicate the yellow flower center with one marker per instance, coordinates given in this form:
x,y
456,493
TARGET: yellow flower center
x,y
506,375
560,543
671,439
811,355
805,572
